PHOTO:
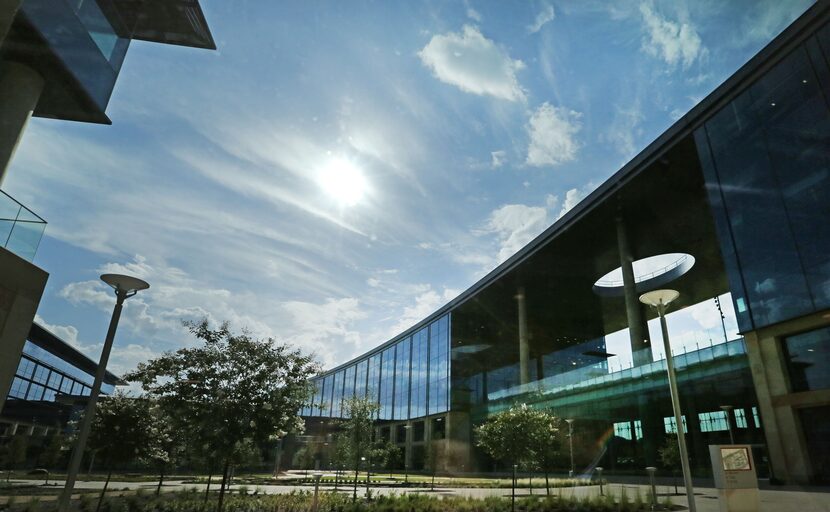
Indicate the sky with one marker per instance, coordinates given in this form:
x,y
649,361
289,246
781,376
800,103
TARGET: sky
x,y
336,171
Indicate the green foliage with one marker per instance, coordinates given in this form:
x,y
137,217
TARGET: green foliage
x,y
670,453
355,439
52,452
124,429
523,436
337,502
230,393
13,453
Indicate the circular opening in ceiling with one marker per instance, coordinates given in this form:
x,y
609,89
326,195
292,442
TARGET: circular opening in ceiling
x,y
649,273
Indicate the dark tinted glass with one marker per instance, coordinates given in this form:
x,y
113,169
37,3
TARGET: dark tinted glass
x,y
808,360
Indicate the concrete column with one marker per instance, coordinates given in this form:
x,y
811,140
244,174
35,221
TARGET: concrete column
x,y
524,347
20,89
637,327
21,286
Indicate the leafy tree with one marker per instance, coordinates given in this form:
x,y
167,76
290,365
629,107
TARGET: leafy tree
x,y
123,431
549,434
524,437
14,453
231,392
52,451
670,457
511,436
354,442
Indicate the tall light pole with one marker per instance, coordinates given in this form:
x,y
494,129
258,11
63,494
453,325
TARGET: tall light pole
x,y
727,409
659,299
125,287
571,443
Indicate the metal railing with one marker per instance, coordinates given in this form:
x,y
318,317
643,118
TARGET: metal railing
x,y
21,229
645,277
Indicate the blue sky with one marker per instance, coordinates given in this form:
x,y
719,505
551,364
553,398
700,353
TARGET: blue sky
x,y
336,171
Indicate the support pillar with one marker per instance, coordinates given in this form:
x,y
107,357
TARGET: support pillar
x,y
524,347
20,89
637,327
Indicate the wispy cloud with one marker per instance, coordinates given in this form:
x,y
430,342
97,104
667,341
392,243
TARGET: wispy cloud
x,y
672,41
497,158
515,225
545,16
474,64
552,132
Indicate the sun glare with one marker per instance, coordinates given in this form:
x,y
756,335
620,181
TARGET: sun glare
x,y
343,181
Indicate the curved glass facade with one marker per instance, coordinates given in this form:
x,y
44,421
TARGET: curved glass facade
x,y
408,378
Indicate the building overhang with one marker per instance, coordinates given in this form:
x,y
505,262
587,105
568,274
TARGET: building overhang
x,y
56,346
179,22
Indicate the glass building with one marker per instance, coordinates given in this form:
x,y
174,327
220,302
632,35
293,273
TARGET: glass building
x,y
60,59
730,207
51,381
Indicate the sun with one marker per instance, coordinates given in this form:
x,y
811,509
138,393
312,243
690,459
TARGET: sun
x,y
343,181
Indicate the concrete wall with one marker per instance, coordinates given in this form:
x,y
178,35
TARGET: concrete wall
x,y
21,286
778,405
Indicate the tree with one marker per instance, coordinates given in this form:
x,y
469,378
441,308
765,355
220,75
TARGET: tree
x,y
548,433
521,437
670,457
123,431
355,440
231,392
14,453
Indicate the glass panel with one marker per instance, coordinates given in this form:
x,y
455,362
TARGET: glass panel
x,y
26,368
373,382
419,369
402,380
387,383
766,162
337,396
714,421
35,392
808,358
438,365
360,378
19,388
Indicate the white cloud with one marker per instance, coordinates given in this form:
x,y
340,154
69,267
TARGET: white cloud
x,y
474,64
624,131
515,225
552,132
497,158
68,333
425,304
672,41
573,197
328,328
544,16
473,14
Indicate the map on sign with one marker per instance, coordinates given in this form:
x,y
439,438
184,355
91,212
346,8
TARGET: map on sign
x,y
735,459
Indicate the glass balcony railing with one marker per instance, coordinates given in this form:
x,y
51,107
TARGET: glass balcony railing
x,y
20,228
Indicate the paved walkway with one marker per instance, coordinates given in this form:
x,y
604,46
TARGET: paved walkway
x,y
779,500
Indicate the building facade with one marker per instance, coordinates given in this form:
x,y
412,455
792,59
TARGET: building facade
x,y
730,207
50,385
60,59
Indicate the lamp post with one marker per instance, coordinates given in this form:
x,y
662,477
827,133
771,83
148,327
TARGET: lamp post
x,y
659,299
728,410
571,444
125,287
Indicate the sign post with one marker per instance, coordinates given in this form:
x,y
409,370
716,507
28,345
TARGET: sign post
x,y
735,477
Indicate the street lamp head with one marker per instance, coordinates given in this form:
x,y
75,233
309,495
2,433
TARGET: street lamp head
x,y
126,285
659,297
